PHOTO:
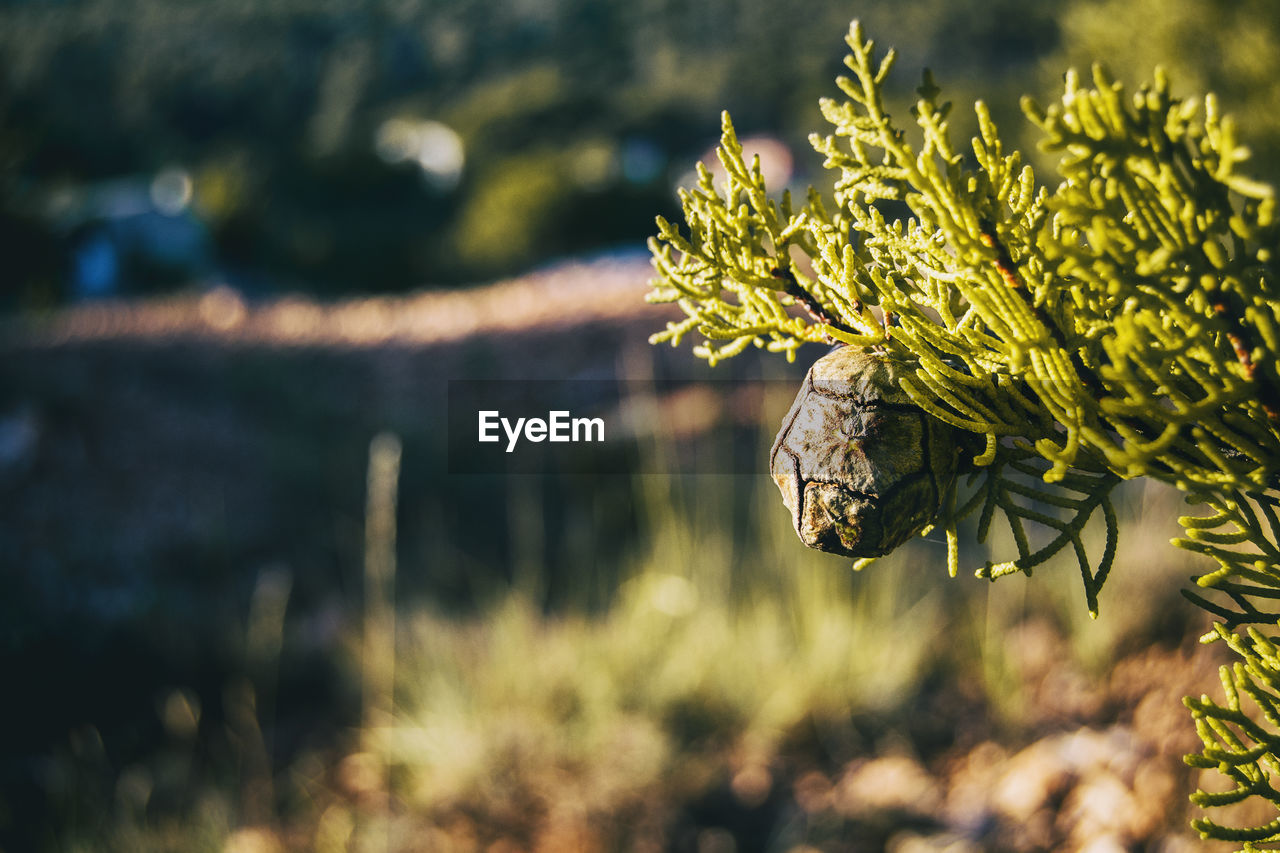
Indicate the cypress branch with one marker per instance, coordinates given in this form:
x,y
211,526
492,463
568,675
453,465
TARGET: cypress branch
x,y
1123,323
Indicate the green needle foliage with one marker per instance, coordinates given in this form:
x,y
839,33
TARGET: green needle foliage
x,y
1122,324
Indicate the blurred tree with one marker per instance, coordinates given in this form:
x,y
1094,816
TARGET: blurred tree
x,y
274,110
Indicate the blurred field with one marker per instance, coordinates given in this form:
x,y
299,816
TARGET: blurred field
x,y
226,629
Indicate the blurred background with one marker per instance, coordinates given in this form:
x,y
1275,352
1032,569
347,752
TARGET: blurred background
x,y
246,606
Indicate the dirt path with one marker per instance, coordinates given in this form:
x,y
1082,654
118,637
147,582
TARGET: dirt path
x,y
568,294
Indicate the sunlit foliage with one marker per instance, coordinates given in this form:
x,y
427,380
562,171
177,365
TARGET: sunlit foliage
x,y
1120,324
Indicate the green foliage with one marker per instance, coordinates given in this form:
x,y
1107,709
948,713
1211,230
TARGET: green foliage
x,y
1222,46
1121,324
